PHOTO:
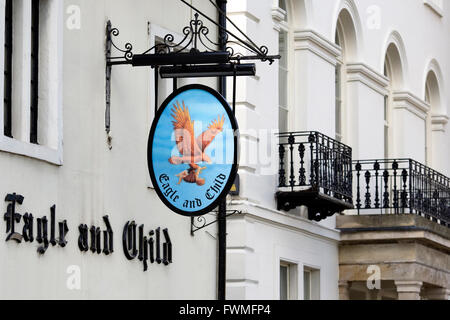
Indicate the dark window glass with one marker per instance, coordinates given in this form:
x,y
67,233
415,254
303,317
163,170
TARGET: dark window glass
x,y
7,101
34,71
284,282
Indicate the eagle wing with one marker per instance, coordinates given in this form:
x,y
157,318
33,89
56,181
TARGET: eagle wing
x,y
216,127
184,130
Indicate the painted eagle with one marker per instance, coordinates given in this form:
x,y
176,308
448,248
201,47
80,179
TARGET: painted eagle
x,y
192,149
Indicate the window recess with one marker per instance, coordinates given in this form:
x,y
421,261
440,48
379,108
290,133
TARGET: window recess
x,y
34,92
7,93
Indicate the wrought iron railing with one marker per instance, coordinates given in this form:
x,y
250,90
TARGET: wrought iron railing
x,y
401,186
312,160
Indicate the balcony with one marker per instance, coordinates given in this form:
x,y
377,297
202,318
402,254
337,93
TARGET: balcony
x,y
400,228
401,186
316,172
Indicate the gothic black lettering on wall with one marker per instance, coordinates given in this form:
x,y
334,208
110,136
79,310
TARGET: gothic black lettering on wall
x,y
95,235
155,247
146,248
13,218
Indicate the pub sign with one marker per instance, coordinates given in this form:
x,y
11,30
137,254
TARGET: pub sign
x,y
193,150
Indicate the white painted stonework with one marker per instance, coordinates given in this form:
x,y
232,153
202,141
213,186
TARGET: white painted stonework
x,y
416,31
74,167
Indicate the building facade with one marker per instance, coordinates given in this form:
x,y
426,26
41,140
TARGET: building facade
x,y
85,172
365,75
369,74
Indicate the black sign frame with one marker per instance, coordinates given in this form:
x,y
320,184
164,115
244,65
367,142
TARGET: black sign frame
x,y
234,168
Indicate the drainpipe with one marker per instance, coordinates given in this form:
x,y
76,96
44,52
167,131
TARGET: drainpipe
x,y
222,221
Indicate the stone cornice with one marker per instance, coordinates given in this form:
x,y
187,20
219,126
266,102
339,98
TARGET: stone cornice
x,y
314,42
366,75
278,17
278,14
439,122
439,119
407,100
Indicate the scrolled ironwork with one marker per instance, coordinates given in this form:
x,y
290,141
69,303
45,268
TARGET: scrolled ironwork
x,y
195,39
128,48
406,187
200,222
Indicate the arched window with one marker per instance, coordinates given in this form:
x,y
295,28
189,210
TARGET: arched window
x,y
386,107
346,39
427,124
283,72
433,98
393,70
340,75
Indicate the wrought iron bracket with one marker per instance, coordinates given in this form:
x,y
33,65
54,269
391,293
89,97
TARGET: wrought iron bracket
x,y
198,223
108,77
195,49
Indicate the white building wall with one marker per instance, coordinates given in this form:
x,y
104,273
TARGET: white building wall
x,y
419,33
86,180
94,181
260,240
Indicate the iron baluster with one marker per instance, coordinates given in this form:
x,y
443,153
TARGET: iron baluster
x,y
329,160
395,191
419,190
428,192
282,172
335,168
311,146
340,173
423,193
432,182
333,171
368,200
404,194
331,163
411,186
350,175
386,192
436,203
324,168
358,168
302,171
316,162
419,201
291,142
376,167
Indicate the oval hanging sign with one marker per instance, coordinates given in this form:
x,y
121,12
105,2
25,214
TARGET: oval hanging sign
x,y
193,150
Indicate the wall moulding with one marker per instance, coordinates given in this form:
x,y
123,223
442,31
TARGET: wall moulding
x,y
32,151
278,17
314,42
368,76
439,122
407,100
